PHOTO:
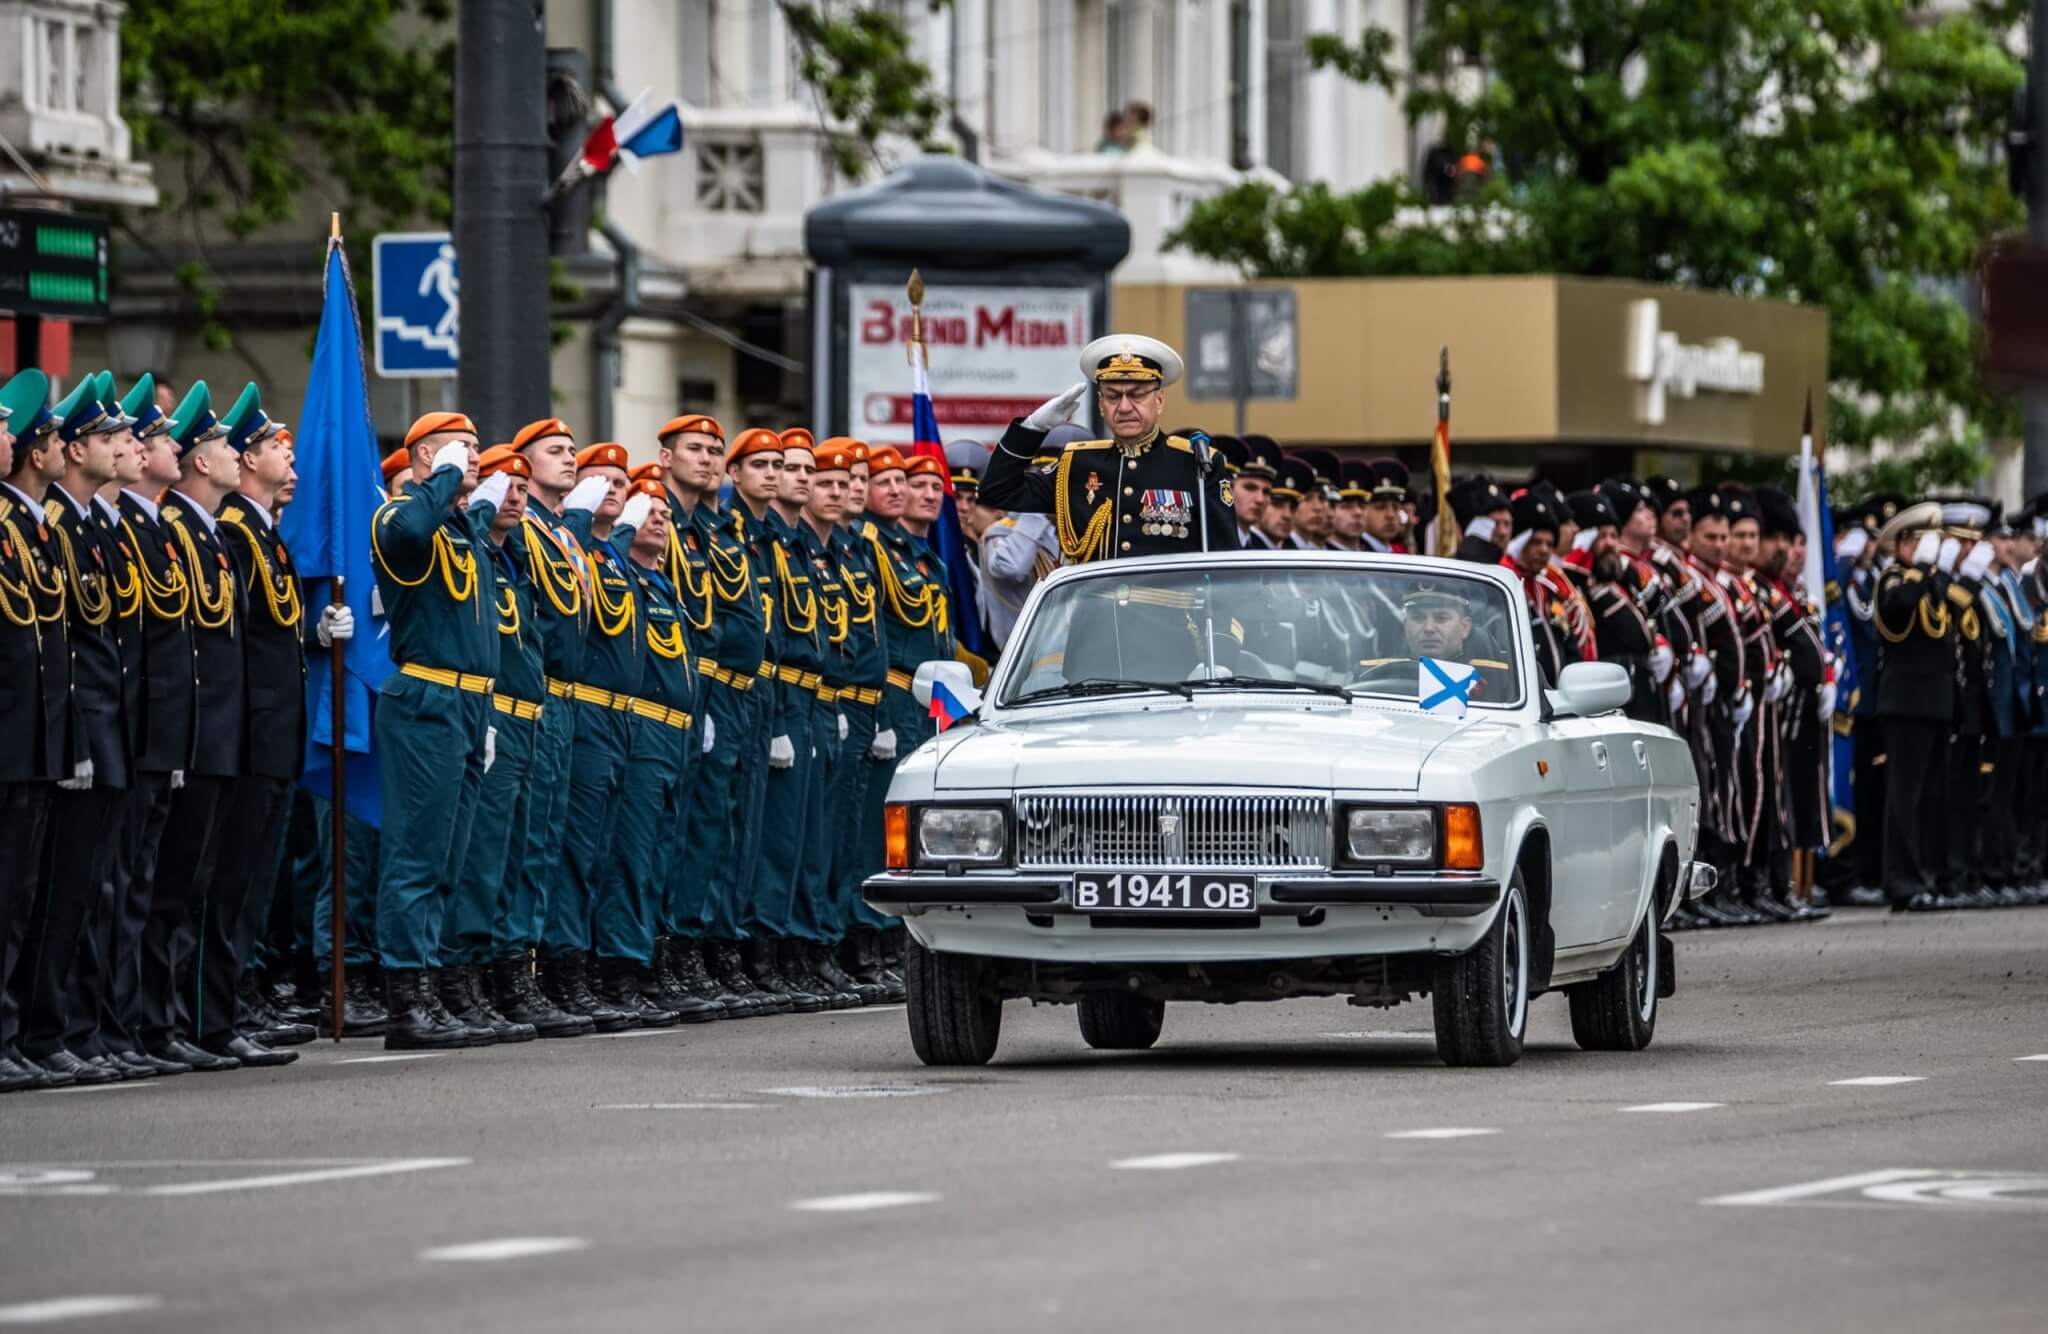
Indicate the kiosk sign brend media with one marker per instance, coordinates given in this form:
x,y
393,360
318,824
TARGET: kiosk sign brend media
x,y
1016,284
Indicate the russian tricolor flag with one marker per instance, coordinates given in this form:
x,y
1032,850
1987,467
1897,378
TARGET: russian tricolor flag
x,y
642,130
947,538
949,708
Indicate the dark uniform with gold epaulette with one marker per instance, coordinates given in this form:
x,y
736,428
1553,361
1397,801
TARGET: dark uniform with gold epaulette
x,y
1916,699
1159,496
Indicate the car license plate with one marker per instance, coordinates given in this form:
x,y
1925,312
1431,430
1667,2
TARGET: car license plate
x,y
1163,892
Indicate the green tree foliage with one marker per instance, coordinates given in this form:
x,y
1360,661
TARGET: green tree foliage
x,y
859,62
1838,152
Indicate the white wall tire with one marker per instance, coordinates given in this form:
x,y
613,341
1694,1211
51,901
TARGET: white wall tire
x,y
1481,997
1617,1011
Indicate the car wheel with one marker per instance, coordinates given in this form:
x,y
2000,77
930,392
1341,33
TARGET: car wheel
x,y
1119,1021
1617,1011
954,1019
1481,997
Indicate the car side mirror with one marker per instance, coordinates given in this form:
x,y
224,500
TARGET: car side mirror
x,y
1588,688
959,679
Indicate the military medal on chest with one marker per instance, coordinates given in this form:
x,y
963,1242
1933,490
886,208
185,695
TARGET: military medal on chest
x,y
1165,513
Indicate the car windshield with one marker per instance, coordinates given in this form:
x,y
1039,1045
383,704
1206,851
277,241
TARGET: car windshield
x,y
1337,629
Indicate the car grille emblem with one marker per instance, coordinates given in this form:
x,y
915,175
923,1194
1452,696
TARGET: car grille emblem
x,y
1172,845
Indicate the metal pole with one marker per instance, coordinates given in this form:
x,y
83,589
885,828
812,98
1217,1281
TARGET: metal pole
x,y
337,757
501,228
2034,460
1240,355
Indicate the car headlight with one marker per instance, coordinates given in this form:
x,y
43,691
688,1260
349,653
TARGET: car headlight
x,y
1390,835
967,834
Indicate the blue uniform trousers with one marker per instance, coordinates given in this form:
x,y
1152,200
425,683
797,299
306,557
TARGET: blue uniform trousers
x,y
538,847
359,943
723,801
769,892
815,914
629,900
430,761
856,837
597,763
491,863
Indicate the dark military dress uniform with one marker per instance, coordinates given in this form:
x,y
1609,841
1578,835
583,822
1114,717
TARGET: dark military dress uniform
x,y
1159,496
1916,699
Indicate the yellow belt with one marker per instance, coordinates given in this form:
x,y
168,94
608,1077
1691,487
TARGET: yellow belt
x,y
724,676
518,708
790,676
828,694
869,695
441,676
604,699
901,680
660,713
561,688
765,669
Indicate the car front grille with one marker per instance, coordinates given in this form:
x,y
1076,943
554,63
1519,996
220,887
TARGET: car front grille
x,y
1166,831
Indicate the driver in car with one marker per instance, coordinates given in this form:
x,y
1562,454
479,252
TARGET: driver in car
x,y
1436,622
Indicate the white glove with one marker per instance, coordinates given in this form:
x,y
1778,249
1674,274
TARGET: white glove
x,y
1482,528
337,621
884,747
1057,409
1661,661
491,490
634,512
1585,540
710,736
842,725
1674,696
586,494
177,779
1827,700
454,454
1698,668
1745,708
781,754
1927,549
81,777
1950,549
1852,544
1977,562
1520,542
490,748
1780,682
1710,689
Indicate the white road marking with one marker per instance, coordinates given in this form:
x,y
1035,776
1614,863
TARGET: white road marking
x,y
1381,1033
1808,1189
73,1308
385,1168
873,1199
104,1088
1876,1081
669,1032
1442,1132
877,1009
857,1091
387,1060
505,1248
1674,1107
2042,1057
684,1106
1168,1162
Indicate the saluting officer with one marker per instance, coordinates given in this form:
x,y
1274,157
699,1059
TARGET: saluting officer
x,y
1137,493
1916,697
440,596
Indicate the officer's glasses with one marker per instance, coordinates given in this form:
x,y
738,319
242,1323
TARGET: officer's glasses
x,y
1138,394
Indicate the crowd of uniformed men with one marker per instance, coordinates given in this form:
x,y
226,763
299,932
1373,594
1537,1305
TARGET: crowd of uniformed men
x,y
634,754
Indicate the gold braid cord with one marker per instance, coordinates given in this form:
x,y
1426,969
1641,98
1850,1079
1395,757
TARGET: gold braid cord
x,y
729,574
799,610
17,601
689,590
128,592
168,599
1935,626
1092,543
670,643
861,605
613,618
93,610
443,558
280,591
914,612
557,580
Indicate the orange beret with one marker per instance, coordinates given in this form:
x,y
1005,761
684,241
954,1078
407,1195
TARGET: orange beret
x,y
605,454
438,421
883,458
796,437
835,455
754,440
397,461
503,458
646,472
539,430
691,421
847,443
647,486
924,465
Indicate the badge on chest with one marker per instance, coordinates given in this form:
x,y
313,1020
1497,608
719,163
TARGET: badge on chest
x,y
1165,513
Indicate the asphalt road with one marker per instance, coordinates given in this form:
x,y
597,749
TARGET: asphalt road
x,y
685,1180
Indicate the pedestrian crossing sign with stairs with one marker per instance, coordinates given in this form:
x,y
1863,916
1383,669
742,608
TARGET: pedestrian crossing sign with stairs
x,y
417,304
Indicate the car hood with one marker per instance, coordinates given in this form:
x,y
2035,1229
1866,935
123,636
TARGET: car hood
x,y
1318,745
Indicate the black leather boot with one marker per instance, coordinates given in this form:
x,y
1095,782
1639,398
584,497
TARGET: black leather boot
x,y
515,995
687,958
672,993
444,985
825,963
728,968
412,1024
618,985
762,965
480,1009
799,967
567,982
361,1014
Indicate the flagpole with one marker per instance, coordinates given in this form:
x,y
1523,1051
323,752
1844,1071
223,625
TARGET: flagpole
x,y
338,762
1440,459
915,290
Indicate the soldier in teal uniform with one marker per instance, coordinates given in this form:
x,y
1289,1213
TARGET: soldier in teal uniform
x,y
439,589
660,726
467,940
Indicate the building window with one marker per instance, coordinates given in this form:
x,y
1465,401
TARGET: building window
x,y
1241,84
730,174
695,27
1286,68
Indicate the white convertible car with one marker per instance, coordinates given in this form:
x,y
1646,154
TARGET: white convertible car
x,y
1234,777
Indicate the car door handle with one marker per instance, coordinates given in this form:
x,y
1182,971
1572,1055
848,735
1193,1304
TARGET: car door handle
x,y
1642,755
1600,753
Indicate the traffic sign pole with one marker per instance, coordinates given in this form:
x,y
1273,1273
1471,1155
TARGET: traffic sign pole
x,y
2034,460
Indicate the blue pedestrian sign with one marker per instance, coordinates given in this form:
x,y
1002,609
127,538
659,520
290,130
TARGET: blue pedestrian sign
x,y
418,304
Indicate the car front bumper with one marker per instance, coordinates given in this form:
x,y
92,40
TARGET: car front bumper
x,y
1430,893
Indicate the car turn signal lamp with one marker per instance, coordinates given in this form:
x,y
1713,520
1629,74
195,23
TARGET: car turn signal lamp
x,y
1463,849
896,836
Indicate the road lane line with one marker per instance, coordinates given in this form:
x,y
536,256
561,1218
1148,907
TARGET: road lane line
x,y
1170,1162
1876,1081
2042,1057
504,1248
873,1199
73,1308
1442,1132
685,1106
673,1030
103,1088
1786,1194
303,1178
857,1091
387,1060
1674,1107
